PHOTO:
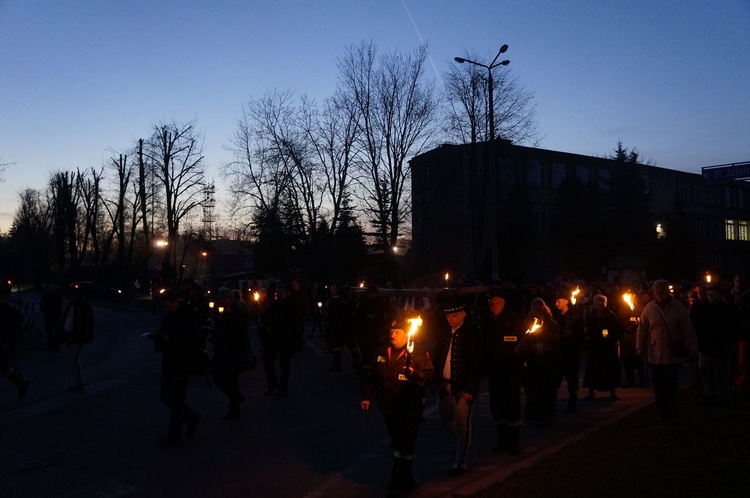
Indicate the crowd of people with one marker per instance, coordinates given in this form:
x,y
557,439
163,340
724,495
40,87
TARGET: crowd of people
x,y
526,343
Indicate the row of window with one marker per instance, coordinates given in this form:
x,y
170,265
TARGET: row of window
x,y
693,194
736,230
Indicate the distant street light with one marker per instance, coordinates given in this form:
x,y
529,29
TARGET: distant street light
x,y
490,85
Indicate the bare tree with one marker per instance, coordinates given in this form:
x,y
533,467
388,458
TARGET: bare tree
x,y
119,209
332,133
256,179
395,109
467,111
176,152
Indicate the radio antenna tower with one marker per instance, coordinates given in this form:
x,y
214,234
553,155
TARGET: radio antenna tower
x,y
209,203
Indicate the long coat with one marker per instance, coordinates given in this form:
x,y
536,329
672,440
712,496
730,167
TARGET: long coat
x,y
603,367
660,327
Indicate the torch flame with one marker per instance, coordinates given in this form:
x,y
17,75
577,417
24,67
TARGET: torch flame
x,y
256,296
537,323
574,294
415,323
628,298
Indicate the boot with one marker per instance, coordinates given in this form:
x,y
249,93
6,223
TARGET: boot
x,y
572,404
513,444
394,486
407,476
502,438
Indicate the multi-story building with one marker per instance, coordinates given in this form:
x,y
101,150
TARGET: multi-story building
x,y
495,221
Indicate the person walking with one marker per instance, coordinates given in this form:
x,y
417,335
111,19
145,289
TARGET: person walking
x,y
540,348
501,332
570,321
279,318
603,332
665,337
457,365
228,334
10,331
399,378
78,329
715,328
177,338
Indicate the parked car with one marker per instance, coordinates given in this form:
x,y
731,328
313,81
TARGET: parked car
x,y
96,290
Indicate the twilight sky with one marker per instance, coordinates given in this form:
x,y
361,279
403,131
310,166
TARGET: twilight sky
x,y
81,77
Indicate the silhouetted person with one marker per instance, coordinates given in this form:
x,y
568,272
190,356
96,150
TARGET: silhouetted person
x,y
501,332
77,325
10,331
177,338
282,331
603,331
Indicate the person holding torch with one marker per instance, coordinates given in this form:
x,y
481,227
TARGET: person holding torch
x,y
540,348
399,375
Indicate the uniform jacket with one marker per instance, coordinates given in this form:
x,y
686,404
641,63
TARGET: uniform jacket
x,y
466,358
396,388
501,335
654,334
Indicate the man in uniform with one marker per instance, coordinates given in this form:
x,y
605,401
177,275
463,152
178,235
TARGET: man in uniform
x,y
400,378
457,363
501,331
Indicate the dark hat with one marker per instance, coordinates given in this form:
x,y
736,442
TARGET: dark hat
x,y
453,305
561,294
399,321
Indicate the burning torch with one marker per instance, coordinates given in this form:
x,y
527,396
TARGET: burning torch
x,y
535,326
628,298
574,296
415,323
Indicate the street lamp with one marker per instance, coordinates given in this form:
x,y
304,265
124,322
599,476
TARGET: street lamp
x,y
490,85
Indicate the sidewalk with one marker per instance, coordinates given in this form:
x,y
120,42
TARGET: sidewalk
x,y
703,454
432,460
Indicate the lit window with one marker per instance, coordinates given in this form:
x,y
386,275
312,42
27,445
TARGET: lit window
x,y
742,232
729,230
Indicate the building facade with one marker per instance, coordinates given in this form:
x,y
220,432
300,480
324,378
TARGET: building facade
x,y
488,211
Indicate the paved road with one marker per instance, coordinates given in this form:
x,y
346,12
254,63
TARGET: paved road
x,y
315,442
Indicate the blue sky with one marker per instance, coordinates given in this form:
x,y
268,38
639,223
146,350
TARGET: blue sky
x,y
80,77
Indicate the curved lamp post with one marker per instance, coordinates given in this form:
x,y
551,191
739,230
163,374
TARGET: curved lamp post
x,y
489,68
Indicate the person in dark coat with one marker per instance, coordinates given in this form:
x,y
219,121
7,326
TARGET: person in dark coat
x,y
177,337
603,331
279,317
10,330
540,348
371,320
399,379
229,335
340,330
78,329
715,326
458,368
570,320
501,332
